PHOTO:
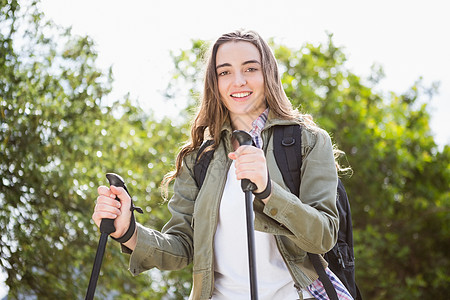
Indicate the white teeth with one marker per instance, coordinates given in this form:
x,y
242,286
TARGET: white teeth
x,y
240,95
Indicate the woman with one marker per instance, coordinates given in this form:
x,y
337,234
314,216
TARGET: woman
x,y
242,91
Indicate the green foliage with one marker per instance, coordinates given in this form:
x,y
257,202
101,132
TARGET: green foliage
x,y
58,137
399,191
187,78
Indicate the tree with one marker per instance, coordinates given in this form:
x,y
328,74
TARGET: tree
x,y
58,137
399,190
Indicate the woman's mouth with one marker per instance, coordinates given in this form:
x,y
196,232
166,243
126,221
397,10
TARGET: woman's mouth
x,y
241,95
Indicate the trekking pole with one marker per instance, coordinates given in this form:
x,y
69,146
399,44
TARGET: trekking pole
x,y
247,186
106,228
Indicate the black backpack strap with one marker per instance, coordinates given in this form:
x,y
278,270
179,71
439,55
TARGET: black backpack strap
x,y
287,143
323,277
287,147
202,162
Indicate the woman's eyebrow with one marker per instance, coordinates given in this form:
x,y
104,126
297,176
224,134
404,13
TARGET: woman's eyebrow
x,y
223,65
252,61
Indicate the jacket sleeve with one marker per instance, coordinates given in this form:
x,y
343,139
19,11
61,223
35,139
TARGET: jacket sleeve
x,y
172,248
311,220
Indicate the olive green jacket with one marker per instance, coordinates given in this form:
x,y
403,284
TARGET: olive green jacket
x,y
308,224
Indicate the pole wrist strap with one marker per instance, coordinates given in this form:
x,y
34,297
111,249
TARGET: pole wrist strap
x,y
266,193
124,238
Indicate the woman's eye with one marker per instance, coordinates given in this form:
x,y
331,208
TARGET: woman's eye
x,y
224,73
251,69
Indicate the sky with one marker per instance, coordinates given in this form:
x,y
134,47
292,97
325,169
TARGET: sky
x,y
409,39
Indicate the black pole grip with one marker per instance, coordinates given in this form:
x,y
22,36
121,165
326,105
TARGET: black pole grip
x,y
107,225
244,139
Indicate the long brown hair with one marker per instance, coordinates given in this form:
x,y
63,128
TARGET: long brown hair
x,y
212,113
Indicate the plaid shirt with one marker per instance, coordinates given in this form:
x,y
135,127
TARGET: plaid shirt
x,y
318,291
257,127
316,288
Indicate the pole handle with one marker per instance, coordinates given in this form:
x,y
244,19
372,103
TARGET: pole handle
x,y
244,139
107,225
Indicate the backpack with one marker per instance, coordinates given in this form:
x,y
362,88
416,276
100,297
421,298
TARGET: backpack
x,y
287,149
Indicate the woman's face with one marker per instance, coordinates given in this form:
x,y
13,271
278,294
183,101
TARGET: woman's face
x,y
241,82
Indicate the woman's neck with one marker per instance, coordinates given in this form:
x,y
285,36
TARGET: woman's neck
x,y
241,122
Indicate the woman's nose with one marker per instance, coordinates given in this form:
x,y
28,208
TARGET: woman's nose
x,y
239,79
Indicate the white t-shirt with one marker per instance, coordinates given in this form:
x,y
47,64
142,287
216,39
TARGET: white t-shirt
x,y
231,257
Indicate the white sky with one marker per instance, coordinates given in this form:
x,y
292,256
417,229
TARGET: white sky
x,y
408,38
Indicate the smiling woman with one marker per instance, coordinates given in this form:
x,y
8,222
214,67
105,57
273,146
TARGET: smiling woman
x,y
241,82
242,90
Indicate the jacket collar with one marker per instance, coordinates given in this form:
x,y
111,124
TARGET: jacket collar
x,y
272,120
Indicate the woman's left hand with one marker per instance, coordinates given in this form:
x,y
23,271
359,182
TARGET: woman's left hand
x,y
250,163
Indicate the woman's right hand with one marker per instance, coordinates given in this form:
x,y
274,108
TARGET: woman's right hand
x,y
108,207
